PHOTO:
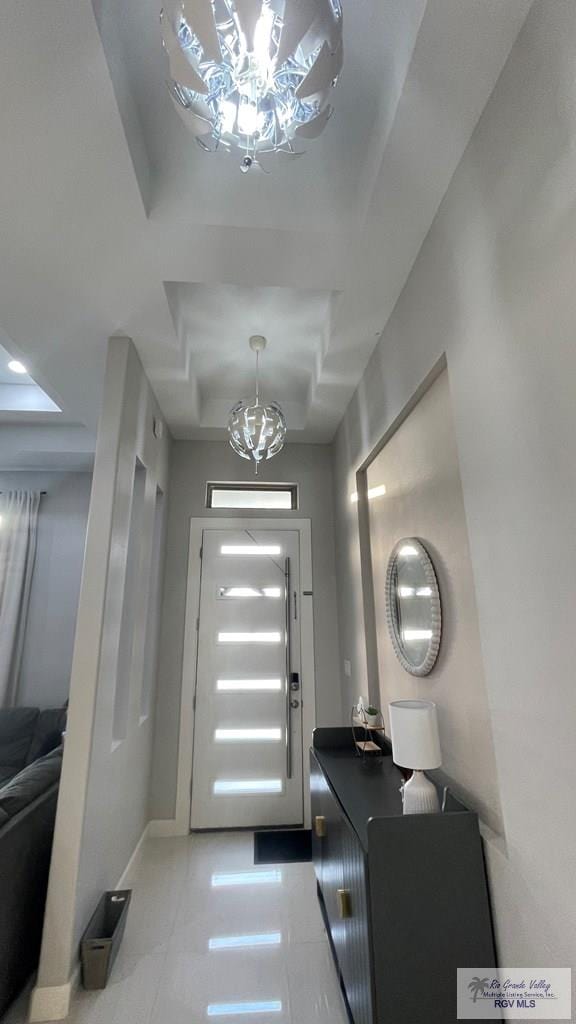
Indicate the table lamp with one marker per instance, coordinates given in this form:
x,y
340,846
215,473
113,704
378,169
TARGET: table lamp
x,y
416,745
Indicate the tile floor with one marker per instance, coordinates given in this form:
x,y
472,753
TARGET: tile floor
x,y
212,937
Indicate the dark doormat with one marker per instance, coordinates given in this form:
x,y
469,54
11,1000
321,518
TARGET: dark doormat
x,y
283,846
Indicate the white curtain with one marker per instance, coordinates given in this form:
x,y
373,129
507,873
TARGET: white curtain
x,y
18,528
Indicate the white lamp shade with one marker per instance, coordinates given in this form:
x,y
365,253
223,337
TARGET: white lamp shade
x,y
414,734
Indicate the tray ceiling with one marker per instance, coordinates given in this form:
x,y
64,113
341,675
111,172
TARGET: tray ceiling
x,y
112,220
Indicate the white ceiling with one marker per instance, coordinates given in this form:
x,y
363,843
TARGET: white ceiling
x,y
112,220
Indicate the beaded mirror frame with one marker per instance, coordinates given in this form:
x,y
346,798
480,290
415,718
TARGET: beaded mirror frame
x,y
434,610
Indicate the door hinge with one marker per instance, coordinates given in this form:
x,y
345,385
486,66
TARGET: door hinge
x,y
194,703
201,552
198,624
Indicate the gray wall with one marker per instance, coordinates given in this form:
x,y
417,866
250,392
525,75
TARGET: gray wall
x,y
419,468
47,656
103,800
192,465
493,287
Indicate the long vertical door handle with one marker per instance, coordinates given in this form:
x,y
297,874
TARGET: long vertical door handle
x,y
288,669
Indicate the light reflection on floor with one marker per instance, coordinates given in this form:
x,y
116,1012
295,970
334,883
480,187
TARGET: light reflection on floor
x,y
212,937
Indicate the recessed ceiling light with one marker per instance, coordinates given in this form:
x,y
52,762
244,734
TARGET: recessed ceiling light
x,y
16,366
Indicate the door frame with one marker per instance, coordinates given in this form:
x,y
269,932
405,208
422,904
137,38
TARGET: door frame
x,y
189,662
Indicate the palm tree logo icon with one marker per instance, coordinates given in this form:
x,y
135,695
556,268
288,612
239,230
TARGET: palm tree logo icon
x,y
478,986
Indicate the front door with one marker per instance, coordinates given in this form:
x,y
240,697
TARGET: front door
x,y
247,770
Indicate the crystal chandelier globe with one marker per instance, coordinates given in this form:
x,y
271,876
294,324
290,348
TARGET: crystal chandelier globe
x,y
257,432
253,76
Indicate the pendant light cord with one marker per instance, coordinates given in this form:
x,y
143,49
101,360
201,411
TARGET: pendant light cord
x,y
257,378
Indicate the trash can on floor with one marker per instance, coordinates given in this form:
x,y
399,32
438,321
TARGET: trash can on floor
x,y
101,940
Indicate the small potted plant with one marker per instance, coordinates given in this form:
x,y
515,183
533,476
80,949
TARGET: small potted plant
x,y
372,715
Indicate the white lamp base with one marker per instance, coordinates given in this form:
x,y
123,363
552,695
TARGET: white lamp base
x,y
419,795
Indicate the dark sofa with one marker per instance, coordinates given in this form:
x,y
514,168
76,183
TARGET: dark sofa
x,y
27,734
28,796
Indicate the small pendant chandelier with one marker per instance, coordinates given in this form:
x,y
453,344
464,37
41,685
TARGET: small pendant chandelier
x,y
257,432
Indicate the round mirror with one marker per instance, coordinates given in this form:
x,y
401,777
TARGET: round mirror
x,y
413,607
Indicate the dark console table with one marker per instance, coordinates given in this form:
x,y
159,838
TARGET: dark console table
x,y
404,898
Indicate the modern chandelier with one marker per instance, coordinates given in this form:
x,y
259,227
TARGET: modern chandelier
x,y
253,76
257,432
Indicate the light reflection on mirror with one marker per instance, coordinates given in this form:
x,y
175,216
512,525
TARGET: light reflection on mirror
x,y
416,634
415,591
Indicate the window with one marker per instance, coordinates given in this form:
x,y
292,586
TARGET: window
x,y
252,496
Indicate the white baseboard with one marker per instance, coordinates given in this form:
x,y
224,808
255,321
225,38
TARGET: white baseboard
x,y
164,827
53,1002
134,859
